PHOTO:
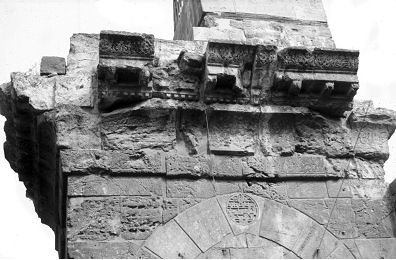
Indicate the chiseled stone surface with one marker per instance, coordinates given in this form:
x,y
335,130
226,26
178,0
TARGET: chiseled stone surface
x,y
245,148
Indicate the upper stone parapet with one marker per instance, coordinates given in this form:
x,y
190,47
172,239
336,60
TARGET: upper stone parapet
x,y
282,23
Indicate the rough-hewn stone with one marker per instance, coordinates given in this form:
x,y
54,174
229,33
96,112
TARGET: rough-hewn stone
x,y
52,65
242,148
96,185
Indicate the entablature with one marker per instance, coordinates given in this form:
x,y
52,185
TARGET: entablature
x,y
227,72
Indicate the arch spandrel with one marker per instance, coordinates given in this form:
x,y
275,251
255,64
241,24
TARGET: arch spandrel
x,y
264,229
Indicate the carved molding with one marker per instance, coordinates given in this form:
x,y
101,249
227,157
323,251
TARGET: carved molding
x,y
126,45
319,59
324,79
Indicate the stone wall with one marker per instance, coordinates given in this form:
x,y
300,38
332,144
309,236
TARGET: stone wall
x,y
281,23
166,176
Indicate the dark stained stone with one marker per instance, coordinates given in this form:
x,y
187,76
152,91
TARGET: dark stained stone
x,y
52,65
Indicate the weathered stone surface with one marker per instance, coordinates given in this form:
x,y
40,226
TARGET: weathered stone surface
x,y
185,188
295,231
281,134
365,112
140,216
272,250
98,250
192,63
76,128
215,253
226,187
174,164
138,129
373,218
193,132
94,219
235,241
376,248
232,134
173,207
39,91
83,54
371,128
273,191
187,165
168,52
214,33
52,65
306,189
222,166
314,208
96,185
342,222
99,161
370,189
291,166
172,242
319,135
77,89
339,188
371,141
205,223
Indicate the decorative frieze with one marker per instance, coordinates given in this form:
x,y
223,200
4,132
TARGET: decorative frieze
x,y
125,45
230,72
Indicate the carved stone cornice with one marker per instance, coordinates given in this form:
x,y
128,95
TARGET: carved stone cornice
x,y
303,59
126,45
229,72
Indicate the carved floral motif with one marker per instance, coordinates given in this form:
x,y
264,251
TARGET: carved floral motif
x,y
126,45
318,59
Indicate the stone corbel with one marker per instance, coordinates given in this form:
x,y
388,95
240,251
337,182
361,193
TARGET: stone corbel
x,y
322,79
123,70
228,71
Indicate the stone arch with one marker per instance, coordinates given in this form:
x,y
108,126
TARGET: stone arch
x,y
242,225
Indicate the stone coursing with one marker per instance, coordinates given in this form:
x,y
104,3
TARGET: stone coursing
x,y
149,148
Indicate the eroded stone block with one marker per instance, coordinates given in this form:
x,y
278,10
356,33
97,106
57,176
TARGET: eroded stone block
x,y
187,165
377,248
232,134
138,129
95,185
76,128
172,242
98,250
185,188
77,89
371,218
205,223
306,189
342,221
52,65
94,219
316,209
99,161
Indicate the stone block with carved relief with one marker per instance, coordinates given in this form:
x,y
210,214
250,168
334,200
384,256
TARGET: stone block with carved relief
x,y
246,143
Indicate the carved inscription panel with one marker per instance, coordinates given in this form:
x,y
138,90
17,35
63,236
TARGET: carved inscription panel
x,y
242,209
